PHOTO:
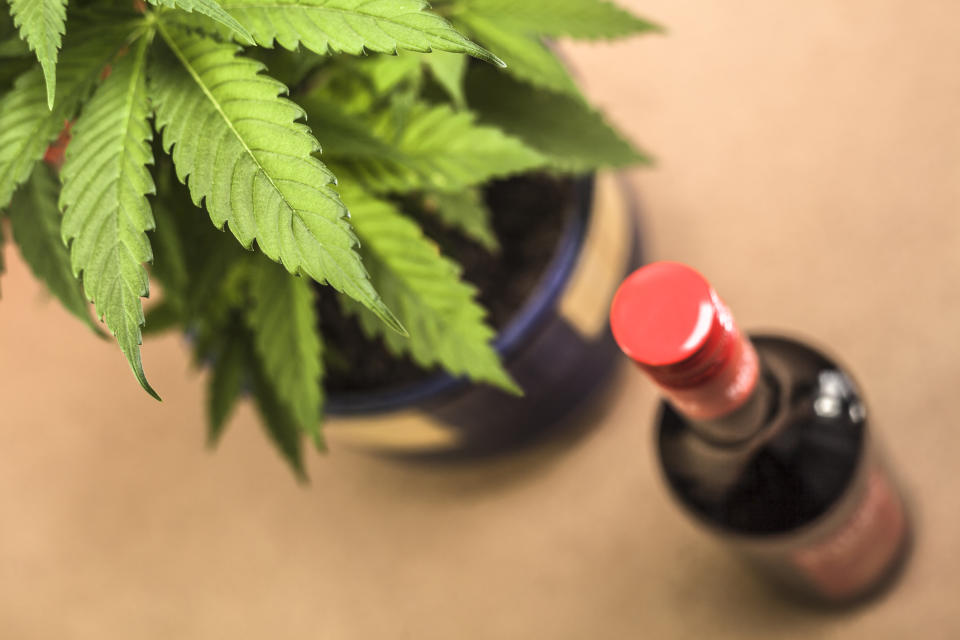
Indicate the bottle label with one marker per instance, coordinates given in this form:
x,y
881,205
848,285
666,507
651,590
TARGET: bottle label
x,y
862,548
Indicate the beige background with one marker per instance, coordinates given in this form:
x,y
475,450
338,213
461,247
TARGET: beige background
x,y
808,161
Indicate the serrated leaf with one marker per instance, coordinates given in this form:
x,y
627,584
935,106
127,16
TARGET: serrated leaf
x,y
585,19
465,210
26,124
279,424
285,329
527,57
438,148
35,222
352,26
42,24
447,326
26,128
212,10
106,213
575,137
214,302
247,156
448,69
227,380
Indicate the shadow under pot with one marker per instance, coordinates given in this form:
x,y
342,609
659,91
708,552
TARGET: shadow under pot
x,y
566,246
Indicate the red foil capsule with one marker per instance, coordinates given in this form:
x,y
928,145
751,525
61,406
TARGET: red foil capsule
x,y
671,322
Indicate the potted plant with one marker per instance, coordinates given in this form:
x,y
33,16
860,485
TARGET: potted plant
x,y
179,142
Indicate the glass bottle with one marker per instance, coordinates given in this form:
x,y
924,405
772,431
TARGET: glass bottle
x,y
764,440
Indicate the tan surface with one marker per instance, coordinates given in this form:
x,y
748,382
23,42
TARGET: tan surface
x,y
809,157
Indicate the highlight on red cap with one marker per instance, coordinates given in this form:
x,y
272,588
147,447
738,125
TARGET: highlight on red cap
x,y
668,319
663,314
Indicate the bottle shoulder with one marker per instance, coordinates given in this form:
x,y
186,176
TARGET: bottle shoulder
x,y
794,468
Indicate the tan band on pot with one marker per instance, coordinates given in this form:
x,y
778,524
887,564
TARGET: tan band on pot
x,y
604,259
398,432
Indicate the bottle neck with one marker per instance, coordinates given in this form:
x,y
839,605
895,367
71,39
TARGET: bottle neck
x,y
733,403
730,382
742,423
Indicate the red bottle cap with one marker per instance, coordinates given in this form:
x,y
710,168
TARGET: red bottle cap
x,y
668,319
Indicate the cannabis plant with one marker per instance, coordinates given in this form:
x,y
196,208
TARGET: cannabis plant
x,y
179,142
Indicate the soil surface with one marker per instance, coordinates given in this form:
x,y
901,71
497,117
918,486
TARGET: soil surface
x,y
528,214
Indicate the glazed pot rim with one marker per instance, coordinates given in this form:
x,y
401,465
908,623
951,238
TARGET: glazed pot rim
x,y
534,312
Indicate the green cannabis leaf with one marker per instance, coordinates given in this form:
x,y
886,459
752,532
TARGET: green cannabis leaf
x,y
535,116
227,379
465,210
106,213
448,69
284,324
41,24
352,26
525,54
249,158
35,222
446,323
388,73
170,265
202,271
27,126
215,303
280,425
407,121
585,19
437,148
212,10
516,31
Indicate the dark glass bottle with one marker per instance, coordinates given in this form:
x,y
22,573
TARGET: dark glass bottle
x,y
764,441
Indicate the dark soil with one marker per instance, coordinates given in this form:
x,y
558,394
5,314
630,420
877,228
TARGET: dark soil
x,y
529,215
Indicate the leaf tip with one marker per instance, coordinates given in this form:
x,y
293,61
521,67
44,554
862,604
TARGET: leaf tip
x,y
300,473
384,313
509,385
319,442
51,93
142,379
489,56
153,394
648,26
213,435
245,38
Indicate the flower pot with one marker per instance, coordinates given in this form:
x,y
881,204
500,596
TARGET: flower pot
x,y
557,346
